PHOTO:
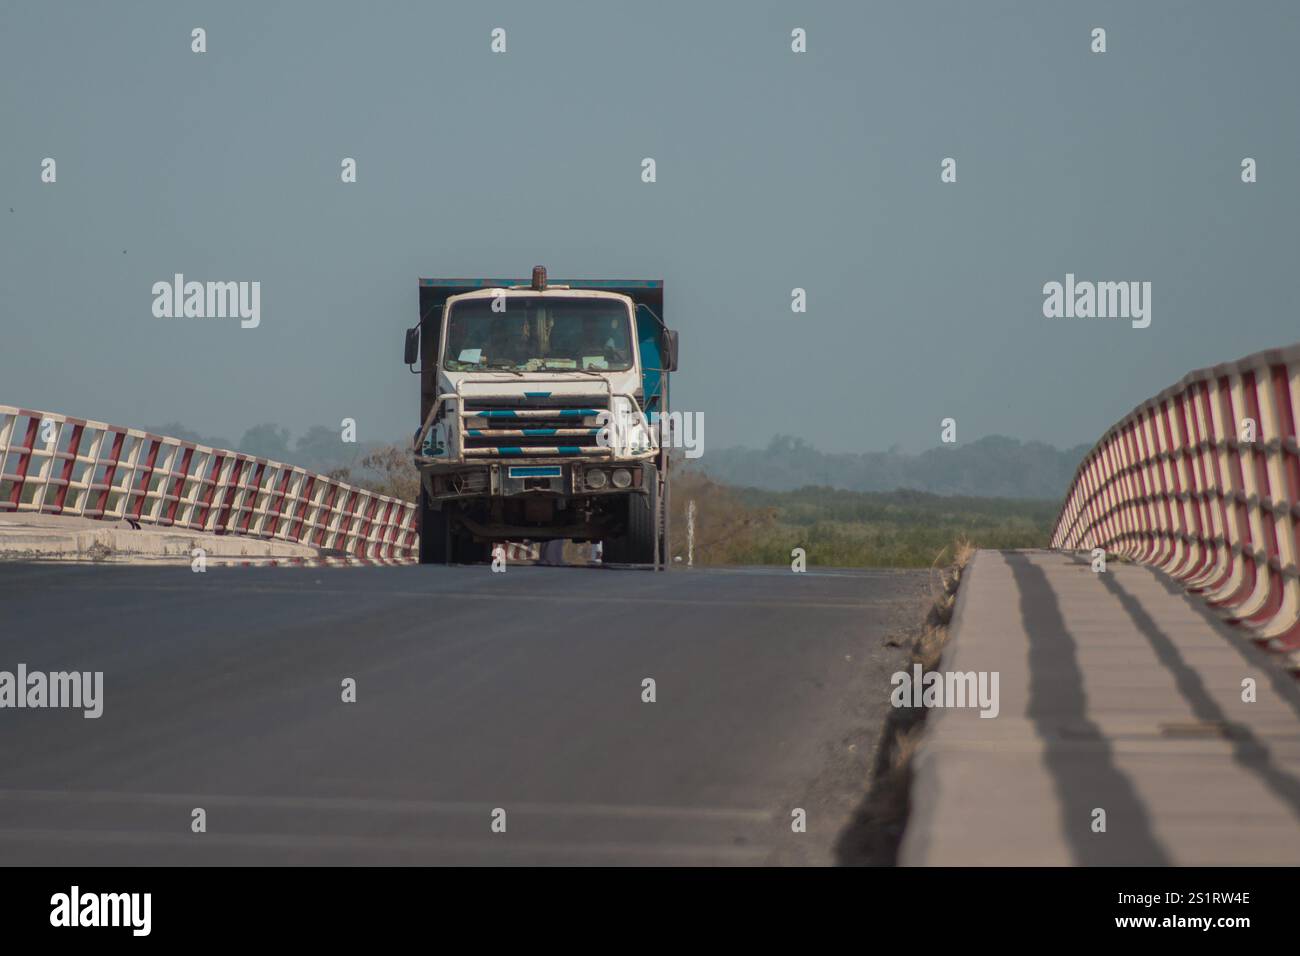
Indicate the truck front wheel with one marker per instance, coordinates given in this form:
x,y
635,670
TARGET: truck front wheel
x,y
434,539
465,550
637,544
443,542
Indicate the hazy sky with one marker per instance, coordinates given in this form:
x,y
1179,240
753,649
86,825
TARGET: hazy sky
x,y
775,170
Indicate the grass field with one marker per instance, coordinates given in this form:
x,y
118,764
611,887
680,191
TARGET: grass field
x,y
898,529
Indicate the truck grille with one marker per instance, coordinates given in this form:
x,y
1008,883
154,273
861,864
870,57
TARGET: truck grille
x,y
533,426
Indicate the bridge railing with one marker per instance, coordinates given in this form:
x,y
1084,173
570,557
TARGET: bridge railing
x,y
55,464
1203,481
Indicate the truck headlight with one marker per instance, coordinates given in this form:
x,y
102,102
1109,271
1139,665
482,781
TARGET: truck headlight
x,y
597,479
622,478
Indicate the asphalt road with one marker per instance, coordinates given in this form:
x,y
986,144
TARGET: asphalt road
x,y
474,691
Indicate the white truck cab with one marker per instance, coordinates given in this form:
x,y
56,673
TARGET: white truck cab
x,y
539,411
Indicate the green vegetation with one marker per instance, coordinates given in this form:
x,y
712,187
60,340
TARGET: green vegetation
x,y
896,529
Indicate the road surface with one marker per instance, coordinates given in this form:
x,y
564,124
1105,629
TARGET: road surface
x,y
475,692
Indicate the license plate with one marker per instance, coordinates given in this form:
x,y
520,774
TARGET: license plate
x,y
534,471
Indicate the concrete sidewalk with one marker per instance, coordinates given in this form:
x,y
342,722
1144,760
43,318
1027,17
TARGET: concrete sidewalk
x,y
55,537
1117,692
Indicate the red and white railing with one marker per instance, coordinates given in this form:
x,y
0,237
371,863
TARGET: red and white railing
x,y
1203,481
54,464
517,550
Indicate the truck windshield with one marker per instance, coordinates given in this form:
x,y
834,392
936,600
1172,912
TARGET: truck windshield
x,y
539,332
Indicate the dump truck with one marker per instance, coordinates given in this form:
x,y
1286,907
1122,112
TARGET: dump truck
x,y
544,408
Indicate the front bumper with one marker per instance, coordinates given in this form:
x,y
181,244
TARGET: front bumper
x,y
565,478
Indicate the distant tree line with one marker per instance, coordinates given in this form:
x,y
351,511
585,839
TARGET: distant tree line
x,y
995,466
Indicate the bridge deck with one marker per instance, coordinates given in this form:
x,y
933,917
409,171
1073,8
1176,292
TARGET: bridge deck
x,y
1118,692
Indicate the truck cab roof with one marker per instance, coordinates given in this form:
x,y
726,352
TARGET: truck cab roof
x,y
435,292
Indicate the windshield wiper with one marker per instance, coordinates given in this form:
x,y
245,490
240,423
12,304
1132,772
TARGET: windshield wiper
x,y
560,368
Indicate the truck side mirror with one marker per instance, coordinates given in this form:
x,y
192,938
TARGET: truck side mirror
x,y
670,350
412,354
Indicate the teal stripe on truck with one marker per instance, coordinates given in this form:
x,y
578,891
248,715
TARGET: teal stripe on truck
x,y
512,414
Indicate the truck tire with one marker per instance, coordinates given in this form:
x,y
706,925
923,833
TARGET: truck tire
x,y
637,544
465,550
434,543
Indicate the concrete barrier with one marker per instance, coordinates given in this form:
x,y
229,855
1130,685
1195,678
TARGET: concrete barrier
x,y
48,537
